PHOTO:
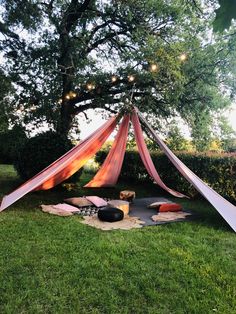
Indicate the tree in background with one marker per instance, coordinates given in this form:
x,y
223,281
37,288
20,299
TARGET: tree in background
x,y
65,57
175,139
227,135
232,146
224,15
10,143
11,135
5,91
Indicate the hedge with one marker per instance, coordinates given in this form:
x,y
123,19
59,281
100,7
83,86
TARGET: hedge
x,y
10,141
217,170
40,151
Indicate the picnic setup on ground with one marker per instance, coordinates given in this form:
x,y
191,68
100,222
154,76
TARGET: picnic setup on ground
x,y
128,210
125,213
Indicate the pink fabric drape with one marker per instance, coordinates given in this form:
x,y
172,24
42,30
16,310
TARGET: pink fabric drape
x,y
146,158
110,170
65,166
224,207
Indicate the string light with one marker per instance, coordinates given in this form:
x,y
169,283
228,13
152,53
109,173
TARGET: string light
x,y
114,78
183,57
90,86
131,78
153,67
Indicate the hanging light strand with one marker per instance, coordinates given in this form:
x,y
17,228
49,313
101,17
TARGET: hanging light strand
x,y
114,78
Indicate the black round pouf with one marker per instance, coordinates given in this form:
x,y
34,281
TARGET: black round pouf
x,y
110,214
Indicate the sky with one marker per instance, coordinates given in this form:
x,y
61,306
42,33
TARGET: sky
x,y
87,127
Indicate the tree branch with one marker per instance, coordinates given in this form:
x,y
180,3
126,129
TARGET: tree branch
x,y
103,40
6,31
74,12
91,105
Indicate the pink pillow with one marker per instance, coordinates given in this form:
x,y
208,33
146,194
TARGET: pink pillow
x,y
66,207
97,201
78,201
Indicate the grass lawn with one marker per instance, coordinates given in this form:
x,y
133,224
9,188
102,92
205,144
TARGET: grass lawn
x,y
51,264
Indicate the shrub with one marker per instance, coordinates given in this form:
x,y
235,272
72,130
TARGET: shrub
x,y
10,141
217,170
40,151
91,167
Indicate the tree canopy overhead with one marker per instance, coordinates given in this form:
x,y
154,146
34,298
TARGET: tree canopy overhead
x,y
225,14
64,57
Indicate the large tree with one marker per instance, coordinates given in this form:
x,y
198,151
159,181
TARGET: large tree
x,y
225,15
5,91
65,57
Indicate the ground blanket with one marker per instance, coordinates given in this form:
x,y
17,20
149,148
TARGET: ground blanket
x,y
150,215
125,224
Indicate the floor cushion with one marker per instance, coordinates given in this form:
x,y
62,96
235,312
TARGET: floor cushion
x,y
127,195
170,207
122,205
78,201
66,207
51,210
156,205
97,201
110,214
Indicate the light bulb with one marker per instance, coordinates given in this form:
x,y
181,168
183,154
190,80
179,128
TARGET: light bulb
x,y
90,86
114,79
153,67
131,78
183,57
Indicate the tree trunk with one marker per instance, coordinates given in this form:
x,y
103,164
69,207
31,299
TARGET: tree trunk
x,y
67,73
66,119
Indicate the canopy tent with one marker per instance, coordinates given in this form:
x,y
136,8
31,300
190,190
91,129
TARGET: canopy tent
x,y
73,160
65,166
110,170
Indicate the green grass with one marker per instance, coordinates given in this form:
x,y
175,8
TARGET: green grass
x,y
51,264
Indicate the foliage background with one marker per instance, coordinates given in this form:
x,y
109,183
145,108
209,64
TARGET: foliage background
x,y
53,50
217,170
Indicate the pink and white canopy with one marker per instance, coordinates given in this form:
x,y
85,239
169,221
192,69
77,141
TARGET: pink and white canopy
x,y
108,174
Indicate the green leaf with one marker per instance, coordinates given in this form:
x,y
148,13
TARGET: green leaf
x,y
224,15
